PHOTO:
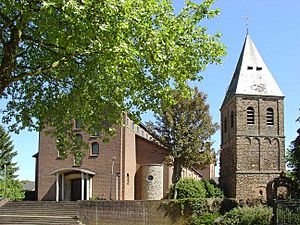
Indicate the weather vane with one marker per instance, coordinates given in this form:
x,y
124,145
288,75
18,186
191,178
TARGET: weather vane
x,y
247,20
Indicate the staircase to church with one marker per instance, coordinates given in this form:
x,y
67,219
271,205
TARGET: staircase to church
x,y
34,213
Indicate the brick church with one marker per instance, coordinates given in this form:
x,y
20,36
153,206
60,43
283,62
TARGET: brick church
x,y
132,166
252,135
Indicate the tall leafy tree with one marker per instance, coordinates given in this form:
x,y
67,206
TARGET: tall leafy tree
x,y
94,60
185,129
294,157
10,187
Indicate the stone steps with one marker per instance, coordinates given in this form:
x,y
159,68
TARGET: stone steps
x,y
63,213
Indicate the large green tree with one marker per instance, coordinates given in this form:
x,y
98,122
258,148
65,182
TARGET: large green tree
x,y
294,157
10,187
185,129
94,60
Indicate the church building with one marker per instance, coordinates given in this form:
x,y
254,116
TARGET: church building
x,y
252,135
132,166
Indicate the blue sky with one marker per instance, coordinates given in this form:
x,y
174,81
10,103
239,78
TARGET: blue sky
x,y
275,29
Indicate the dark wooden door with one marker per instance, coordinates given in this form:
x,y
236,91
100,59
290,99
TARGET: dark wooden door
x,y
76,189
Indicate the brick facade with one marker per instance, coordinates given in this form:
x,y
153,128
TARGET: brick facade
x,y
131,148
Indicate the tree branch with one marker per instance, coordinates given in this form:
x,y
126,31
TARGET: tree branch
x,y
42,69
42,43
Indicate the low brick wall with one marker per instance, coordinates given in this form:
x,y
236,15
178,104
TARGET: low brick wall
x,y
127,213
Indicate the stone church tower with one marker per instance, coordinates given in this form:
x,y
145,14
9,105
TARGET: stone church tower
x,y
252,137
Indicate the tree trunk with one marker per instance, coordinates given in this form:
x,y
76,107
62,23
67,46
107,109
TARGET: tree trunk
x,y
177,168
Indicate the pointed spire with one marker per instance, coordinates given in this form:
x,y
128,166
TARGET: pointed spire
x,y
251,75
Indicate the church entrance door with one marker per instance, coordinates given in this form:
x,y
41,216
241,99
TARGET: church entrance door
x,y
73,184
75,189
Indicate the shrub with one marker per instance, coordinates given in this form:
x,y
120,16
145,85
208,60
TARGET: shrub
x,y
204,219
212,190
248,216
191,188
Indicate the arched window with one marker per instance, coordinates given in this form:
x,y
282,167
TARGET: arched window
x,y
95,148
225,124
250,115
231,119
270,116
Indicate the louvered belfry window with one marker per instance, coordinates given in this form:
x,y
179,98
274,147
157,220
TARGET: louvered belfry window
x,y
250,115
270,116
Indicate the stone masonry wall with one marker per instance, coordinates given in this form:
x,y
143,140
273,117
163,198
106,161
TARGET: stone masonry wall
x,y
253,185
254,152
228,158
152,182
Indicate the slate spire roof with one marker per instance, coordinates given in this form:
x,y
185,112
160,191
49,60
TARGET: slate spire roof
x,y
251,75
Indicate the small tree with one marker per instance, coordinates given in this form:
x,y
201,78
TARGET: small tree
x,y
294,157
9,187
185,129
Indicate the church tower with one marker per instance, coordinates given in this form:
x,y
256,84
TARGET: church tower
x,y
252,136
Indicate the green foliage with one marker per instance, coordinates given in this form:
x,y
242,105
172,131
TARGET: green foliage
x,y
188,188
203,219
187,206
13,189
191,188
194,210
248,216
185,129
10,187
293,157
289,216
94,60
212,190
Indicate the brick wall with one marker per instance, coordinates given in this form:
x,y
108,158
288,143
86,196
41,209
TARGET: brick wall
x,y
129,163
130,148
129,212
48,161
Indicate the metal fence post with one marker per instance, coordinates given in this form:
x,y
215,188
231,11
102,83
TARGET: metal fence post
x,y
274,216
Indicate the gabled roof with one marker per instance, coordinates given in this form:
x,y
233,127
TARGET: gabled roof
x,y
252,76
